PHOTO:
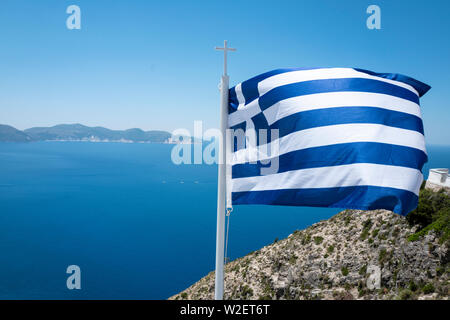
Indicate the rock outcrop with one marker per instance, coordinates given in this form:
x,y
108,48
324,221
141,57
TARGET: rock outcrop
x,y
353,255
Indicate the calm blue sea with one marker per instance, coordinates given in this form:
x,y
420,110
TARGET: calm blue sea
x,y
138,226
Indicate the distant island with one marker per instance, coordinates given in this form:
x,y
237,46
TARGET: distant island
x,y
79,132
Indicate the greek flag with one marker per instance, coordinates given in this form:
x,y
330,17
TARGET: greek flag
x,y
334,137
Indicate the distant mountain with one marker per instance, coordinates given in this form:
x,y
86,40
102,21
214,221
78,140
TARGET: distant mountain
x,y
11,134
79,132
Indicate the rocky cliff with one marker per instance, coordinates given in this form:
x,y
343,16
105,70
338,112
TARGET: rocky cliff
x,y
353,255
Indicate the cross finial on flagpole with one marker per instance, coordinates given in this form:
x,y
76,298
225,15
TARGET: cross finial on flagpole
x,y
225,49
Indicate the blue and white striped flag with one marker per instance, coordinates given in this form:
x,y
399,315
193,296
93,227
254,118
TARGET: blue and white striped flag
x,y
340,137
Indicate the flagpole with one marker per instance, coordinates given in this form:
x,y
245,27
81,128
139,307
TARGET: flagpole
x,y
221,184
220,235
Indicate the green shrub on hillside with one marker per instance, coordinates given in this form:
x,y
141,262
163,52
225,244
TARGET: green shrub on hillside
x,y
428,288
432,213
429,204
318,240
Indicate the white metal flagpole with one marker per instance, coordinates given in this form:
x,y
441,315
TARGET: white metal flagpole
x,y
221,185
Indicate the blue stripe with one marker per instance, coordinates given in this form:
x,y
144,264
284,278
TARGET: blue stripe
x,y
421,87
232,100
338,154
239,141
334,85
344,115
355,197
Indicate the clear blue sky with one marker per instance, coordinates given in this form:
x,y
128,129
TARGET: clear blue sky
x,y
151,64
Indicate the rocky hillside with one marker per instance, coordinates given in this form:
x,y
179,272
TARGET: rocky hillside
x,y
353,255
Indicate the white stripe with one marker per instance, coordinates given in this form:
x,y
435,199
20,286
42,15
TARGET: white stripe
x,y
244,113
240,95
316,101
320,74
356,174
329,135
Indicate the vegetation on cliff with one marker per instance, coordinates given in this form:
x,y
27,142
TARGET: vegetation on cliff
x,y
432,214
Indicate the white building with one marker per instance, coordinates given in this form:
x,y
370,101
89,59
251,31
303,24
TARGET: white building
x,y
438,178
